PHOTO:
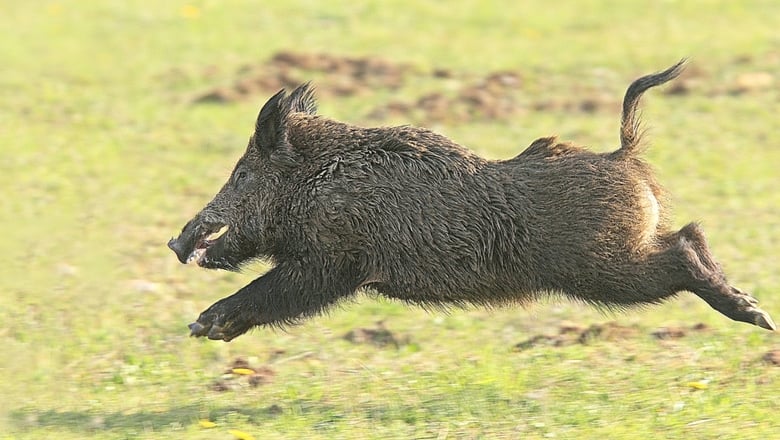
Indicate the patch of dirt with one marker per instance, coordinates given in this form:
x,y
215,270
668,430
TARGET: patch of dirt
x,y
276,353
772,357
240,369
455,96
336,75
274,410
691,80
220,386
378,336
610,331
752,82
218,95
570,334
238,362
356,72
696,79
539,340
595,102
678,332
669,333
486,98
261,376
493,97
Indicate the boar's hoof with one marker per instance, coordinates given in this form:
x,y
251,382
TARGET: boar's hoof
x,y
213,331
752,315
746,311
742,307
216,333
222,321
197,329
763,320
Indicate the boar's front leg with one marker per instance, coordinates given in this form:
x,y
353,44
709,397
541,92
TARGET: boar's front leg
x,y
284,295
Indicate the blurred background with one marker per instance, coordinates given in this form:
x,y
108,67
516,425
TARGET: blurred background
x,y
120,120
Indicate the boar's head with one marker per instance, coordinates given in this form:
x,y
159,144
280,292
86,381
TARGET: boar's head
x,y
237,225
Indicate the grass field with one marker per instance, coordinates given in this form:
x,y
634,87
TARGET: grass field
x,y
107,150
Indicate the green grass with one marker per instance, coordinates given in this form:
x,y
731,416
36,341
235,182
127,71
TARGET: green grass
x,y
104,158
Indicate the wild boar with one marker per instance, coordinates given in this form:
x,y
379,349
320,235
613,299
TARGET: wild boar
x,y
409,214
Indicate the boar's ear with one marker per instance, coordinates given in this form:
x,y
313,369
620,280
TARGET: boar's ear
x,y
270,125
302,100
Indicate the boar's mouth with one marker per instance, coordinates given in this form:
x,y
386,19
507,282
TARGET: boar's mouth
x,y
207,240
194,241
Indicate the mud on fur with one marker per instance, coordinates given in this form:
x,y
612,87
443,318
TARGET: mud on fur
x,y
411,215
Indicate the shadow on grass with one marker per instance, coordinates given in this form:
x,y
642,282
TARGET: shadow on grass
x,y
474,401
174,418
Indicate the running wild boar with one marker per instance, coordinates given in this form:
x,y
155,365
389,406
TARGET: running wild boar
x,y
409,214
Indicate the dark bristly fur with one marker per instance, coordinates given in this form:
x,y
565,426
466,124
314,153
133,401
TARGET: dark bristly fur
x,y
411,215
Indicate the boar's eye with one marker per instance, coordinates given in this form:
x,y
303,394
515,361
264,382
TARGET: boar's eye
x,y
240,176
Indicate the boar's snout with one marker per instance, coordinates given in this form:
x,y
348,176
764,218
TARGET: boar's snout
x,y
177,245
196,238
185,243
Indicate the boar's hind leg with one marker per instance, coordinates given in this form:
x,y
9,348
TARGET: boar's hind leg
x,y
708,281
282,296
685,262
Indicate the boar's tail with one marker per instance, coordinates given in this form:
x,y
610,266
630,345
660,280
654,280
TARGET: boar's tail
x,y
630,125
